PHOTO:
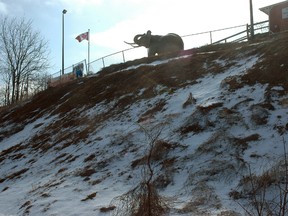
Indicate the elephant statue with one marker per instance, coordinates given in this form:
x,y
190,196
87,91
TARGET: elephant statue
x,y
157,44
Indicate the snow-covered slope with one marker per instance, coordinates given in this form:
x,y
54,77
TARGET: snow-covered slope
x,y
209,124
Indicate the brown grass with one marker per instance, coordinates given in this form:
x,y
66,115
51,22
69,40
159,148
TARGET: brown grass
x,y
94,90
14,175
150,112
90,158
140,201
158,154
90,196
242,143
86,172
209,108
195,128
107,209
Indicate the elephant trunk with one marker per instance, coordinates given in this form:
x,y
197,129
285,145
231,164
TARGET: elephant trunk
x,y
137,37
137,41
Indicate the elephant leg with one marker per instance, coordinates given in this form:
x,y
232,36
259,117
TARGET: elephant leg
x,y
151,52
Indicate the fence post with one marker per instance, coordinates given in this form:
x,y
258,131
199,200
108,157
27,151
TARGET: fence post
x,y
123,56
247,29
210,37
86,67
103,62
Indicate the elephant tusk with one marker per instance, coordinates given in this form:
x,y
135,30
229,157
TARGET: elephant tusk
x,y
132,44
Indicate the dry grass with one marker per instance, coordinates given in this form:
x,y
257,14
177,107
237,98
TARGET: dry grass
x,y
14,175
90,197
243,143
90,158
195,128
143,200
94,90
158,154
62,170
13,152
203,199
267,193
152,111
107,209
189,101
86,172
26,206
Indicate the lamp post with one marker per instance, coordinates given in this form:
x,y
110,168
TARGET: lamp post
x,y
63,13
251,20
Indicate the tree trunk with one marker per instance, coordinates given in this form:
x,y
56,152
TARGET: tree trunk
x,y
7,93
13,89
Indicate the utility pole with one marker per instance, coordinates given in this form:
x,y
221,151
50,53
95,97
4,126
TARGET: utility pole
x,y
251,21
63,13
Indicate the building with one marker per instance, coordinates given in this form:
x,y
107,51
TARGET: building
x,y
278,16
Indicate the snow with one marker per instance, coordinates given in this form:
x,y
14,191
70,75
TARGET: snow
x,y
24,134
120,140
157,62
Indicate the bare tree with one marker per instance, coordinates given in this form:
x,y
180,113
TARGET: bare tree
x,y
23,53
5,88
144,199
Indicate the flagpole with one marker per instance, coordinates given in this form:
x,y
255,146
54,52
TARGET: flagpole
x,y
88,51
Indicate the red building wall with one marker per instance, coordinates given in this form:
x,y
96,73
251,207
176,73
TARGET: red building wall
x,y
278,17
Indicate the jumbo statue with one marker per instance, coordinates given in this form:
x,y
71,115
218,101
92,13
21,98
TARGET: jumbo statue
x,y
157,44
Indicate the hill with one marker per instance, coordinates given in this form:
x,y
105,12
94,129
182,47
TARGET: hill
x,y
201,133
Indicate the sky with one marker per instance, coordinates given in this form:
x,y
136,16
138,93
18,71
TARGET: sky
x,y
111,22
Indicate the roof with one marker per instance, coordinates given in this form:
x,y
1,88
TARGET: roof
x,y
268,8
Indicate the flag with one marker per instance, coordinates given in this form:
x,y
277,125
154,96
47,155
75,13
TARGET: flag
x,y
84,36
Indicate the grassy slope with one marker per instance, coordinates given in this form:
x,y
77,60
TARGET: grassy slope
x,y
63,125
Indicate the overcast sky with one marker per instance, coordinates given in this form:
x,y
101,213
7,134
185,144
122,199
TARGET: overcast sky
x,y
113,21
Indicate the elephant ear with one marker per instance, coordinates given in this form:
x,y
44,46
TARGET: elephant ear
x,y
148,38
148,33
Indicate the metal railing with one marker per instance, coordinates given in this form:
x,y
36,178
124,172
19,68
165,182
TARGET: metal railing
x,y
117,57
68,75
259,28
237,34
69,69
